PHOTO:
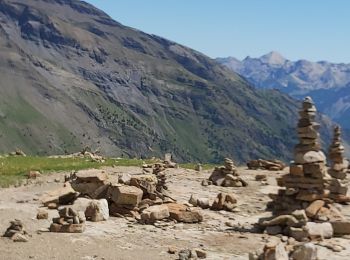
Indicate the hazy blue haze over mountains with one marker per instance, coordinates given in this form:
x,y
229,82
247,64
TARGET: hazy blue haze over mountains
x,y
327,83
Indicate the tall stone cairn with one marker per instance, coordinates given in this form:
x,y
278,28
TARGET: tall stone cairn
x,y
338,168
339,165
308,179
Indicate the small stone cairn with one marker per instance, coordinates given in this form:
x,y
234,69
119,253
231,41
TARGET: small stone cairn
x,y
16,231
69,221
227,175
304,209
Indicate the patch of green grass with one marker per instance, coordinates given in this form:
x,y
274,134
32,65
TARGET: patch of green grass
x,y
15,168
191,166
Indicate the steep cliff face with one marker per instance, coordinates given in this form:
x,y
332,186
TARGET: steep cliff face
x,y
70,76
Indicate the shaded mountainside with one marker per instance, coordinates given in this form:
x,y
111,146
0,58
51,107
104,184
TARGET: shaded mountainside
x,y
72,77
328,83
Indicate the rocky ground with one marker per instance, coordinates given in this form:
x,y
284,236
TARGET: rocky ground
x,y
222,234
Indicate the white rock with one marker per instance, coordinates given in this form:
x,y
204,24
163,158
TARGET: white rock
x,y
307,251
97,210
319,230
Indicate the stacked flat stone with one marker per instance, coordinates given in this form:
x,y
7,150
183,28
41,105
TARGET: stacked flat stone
x,y
159,172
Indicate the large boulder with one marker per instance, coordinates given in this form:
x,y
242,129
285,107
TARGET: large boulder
x,y
125,195
92,183
62,196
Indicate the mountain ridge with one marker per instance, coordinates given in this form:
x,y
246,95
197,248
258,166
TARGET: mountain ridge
x,y
299,78
78,78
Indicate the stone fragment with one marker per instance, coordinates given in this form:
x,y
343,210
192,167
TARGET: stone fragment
x,y
184,254
33,174
200,253
306,251
203,203
42,214
273,230
298,234
80,204
341,228
193,200
319,230
124,178
19,237
182,213
154,213
282,220
261,177
314,207
97,210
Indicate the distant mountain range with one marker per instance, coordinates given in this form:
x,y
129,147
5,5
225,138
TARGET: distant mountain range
x,y
328,83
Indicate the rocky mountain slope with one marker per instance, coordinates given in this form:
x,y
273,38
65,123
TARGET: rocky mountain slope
x,y
71,77
328,83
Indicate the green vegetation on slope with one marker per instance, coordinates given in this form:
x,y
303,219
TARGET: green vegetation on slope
x,y
15,168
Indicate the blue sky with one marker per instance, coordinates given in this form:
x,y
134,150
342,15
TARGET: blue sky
x,y
298,29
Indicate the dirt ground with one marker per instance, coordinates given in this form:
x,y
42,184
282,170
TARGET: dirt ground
x,y
123,238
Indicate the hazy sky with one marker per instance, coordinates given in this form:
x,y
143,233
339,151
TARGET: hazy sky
x,y
308,29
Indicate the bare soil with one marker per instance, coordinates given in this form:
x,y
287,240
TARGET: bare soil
x,y
123,238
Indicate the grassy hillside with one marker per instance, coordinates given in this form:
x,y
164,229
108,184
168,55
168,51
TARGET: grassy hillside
x,y
77,78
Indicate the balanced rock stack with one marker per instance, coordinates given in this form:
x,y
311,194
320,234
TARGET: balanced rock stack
x,y
227,175
309,191
16,231
339,165
306,181
69,221
338,168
